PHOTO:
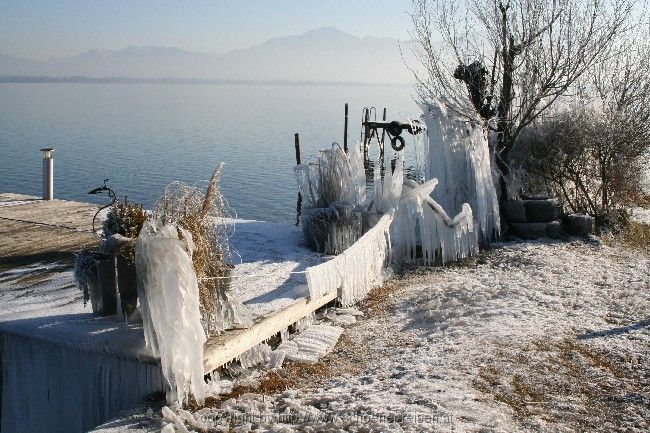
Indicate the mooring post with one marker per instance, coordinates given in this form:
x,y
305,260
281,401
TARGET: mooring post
x,y
296,138
48,173
366,131
345,130
383,135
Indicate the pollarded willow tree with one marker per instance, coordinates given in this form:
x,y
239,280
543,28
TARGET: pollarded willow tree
x,y
505,62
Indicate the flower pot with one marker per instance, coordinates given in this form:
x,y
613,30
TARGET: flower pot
x,y
101,289
333,229
127,284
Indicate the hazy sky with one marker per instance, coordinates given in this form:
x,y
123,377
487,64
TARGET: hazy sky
x,y
58,28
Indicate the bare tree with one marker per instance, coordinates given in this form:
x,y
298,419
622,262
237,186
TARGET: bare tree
x,y
506,62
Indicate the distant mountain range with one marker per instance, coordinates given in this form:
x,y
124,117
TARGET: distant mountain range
x,y
322,55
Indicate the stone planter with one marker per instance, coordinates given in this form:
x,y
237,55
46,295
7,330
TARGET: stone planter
x,y
128,285
579,225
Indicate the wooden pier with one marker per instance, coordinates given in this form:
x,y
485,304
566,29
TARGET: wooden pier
x,y
34,230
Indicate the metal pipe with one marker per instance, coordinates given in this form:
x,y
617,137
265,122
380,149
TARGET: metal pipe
x,y
48,173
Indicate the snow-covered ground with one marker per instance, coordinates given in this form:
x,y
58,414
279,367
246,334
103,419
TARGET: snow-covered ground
x,y
537,336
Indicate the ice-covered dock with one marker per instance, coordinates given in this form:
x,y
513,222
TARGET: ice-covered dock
x,y
64,369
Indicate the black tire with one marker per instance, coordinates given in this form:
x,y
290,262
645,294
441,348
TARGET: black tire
x,y
551,230
514,211
542,211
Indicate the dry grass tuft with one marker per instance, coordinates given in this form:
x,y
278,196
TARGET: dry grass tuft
x,y
377,298
566,381
637,236
202,215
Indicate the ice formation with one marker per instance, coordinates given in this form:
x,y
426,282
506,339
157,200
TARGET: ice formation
x,y
357,270
312,344
47,386
334,177
256,355
228,313
169,297
421,221
459,157
333,189
387,192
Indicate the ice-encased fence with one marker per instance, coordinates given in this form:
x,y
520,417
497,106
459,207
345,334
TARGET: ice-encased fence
x,y
356,271
459,158
169,298
421,221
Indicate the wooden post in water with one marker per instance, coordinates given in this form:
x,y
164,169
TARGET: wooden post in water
x,y
345,130
383,135
366,131
296,139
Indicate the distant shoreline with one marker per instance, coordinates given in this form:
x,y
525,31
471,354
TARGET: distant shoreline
x,y
184,81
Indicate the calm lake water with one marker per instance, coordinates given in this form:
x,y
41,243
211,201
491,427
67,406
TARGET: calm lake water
x,y
144,136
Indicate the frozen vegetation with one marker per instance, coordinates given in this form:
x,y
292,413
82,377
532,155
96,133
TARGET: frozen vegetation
x,y
169,304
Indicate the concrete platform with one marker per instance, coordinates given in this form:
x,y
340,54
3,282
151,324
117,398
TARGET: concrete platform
x,y
64,369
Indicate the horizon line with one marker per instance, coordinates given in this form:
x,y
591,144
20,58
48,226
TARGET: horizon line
x,y
80,79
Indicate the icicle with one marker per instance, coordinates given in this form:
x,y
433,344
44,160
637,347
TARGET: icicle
x,y
388,191
459,157
311,344
303,323
169,297
357,270
421,221
255,356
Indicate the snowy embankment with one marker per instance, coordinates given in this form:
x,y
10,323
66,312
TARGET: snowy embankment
x,y
539,336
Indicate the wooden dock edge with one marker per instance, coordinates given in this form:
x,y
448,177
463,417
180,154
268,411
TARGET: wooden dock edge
x,y
224,348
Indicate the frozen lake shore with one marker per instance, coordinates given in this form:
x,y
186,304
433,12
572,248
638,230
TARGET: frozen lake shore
x,y
535,336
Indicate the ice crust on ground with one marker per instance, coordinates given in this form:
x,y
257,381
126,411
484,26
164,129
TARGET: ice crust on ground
x,y
169,302
459,157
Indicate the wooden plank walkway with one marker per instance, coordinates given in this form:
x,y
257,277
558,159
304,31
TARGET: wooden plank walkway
x,y
33,230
